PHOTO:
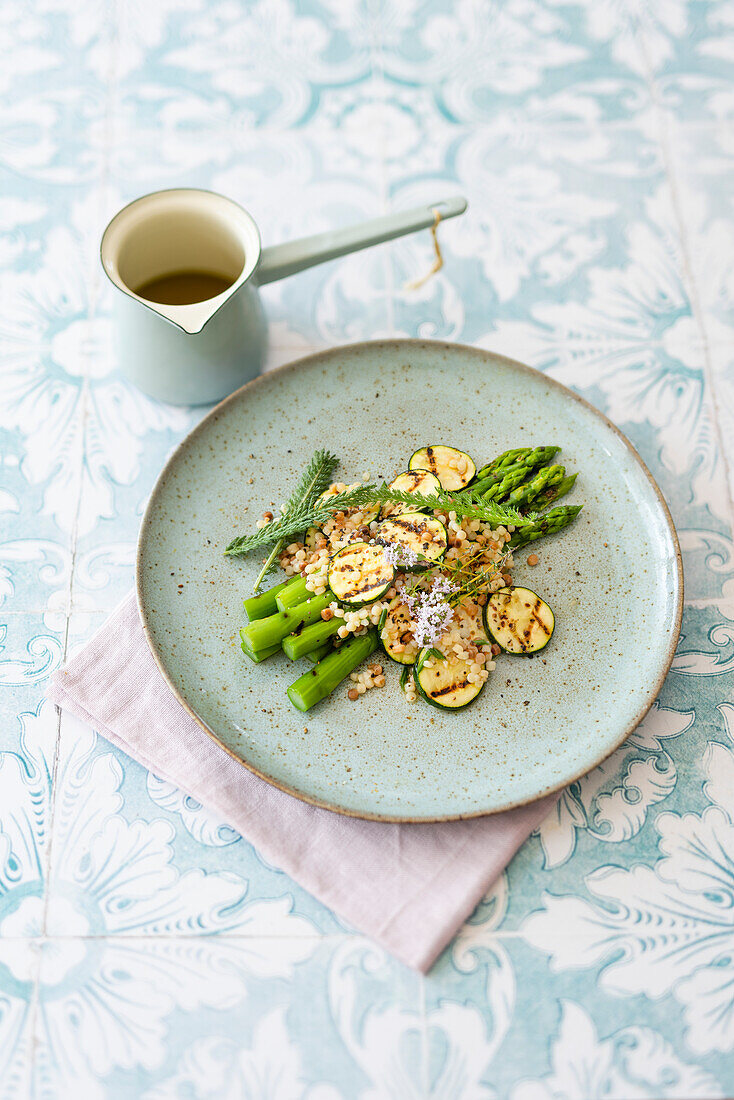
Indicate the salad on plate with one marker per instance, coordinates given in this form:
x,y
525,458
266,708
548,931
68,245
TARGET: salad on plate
x,y
421,568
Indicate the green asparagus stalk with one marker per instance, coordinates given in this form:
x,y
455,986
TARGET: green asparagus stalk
x,y
293,595
259,607
318,654
554,492
321,680
527,456
503,488
481,485
525,493
258,655
548,524
310,638
264,633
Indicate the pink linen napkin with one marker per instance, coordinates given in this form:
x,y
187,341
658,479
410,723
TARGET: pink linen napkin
x,y
409,887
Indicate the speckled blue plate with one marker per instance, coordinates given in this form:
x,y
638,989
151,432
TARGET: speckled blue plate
x,y
613,579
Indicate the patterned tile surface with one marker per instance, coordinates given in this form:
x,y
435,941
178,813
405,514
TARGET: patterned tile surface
x,y
145,949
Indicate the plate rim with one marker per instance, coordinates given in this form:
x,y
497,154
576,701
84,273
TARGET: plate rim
x,y
449,346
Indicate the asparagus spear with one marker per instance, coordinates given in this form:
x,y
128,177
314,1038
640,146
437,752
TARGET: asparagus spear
x,y
321,680
527,456
481,485
264,633
260,654
554,492
523,494
548,524
318,654
258,607
503,488
310,638
293,595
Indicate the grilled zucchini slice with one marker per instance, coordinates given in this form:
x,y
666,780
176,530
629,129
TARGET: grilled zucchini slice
x,y
445,682
518,620
440,461
396,629
421,535
359,573
414,481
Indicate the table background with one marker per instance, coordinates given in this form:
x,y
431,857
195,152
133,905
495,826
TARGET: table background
x,y
146,950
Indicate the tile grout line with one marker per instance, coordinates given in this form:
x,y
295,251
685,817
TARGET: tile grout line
x,y
425,1053
94,286
234,937
697,308
690,283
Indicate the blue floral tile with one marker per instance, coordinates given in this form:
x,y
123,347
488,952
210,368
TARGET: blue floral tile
x,y
480,61
213,1017
537,232
691,51
30,652
520,1022
274,63
662,928
52,97
703,170
586,277
146,950
50,340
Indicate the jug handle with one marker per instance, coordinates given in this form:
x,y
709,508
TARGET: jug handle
x,y
286,259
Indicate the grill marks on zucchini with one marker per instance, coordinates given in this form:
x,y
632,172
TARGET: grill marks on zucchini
x,y
518,620
414,481
444,682
359,573
396,631
421,535
445,464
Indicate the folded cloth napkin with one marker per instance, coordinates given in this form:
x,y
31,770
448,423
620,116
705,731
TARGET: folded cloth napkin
x,y
409,887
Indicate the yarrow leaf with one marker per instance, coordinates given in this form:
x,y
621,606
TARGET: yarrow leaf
x,y
315,479
466,503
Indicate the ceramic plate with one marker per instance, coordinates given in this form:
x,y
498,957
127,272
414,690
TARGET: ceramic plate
x,y
613,580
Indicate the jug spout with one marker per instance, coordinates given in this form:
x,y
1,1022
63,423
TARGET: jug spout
x,y
190,318
185,235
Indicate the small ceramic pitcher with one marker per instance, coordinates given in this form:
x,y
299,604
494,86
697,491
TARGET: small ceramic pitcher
x,y
196,353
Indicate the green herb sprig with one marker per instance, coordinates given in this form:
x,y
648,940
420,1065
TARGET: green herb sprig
x,y
312,512
315,479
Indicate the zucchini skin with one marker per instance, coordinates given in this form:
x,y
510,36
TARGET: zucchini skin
x,y
417,670
496,635
374,593
428,458
399,658
414,478
404,518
